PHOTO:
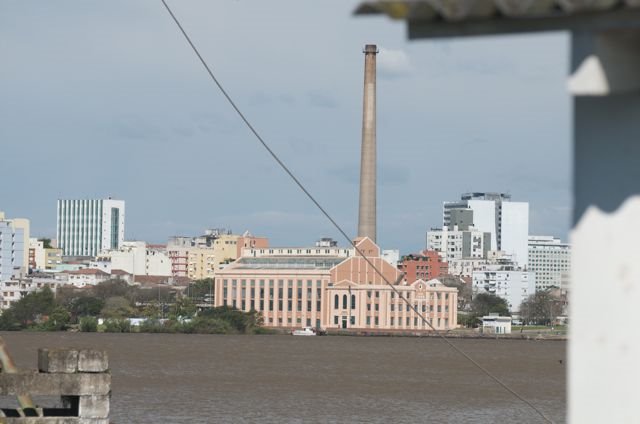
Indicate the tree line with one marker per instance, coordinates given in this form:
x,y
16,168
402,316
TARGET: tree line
x,y
164,310
541,308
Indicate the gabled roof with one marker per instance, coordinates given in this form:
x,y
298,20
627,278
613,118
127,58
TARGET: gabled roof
x,y
433,283
345,283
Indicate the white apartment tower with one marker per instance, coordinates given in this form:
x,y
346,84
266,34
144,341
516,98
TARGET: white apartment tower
x,y
87,227
495,213
506,281
550,258
14,247
453,243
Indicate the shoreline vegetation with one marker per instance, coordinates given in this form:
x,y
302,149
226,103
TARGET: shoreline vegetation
x,y
116,307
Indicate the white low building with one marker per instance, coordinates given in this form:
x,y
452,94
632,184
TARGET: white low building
x,y
86,277
13,290
135,257
494,324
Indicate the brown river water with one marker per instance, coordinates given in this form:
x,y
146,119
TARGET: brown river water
x,y
180,378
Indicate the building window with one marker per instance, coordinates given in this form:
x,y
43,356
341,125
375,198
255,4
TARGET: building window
x,y
344,301
335,319
336,303
353,301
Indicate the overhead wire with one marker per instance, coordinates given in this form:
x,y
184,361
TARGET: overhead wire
x,y
338,227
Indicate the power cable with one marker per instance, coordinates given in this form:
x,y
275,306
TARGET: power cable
x,y
338,227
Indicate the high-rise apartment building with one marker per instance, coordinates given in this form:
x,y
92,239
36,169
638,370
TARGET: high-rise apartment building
x,y
507,221
504,279
14,247
453,243
89,226
550,258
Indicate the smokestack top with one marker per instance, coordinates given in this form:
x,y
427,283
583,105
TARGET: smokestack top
x,y
370,48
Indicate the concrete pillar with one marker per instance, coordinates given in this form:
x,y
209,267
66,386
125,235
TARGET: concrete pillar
x,y
367,210
603,345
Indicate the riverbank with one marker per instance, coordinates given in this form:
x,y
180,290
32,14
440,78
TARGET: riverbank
x,y
535,334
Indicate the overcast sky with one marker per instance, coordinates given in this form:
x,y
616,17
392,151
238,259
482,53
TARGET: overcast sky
x,y
104,98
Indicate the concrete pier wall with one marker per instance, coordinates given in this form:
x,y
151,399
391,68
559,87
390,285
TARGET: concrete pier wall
x,y
79,376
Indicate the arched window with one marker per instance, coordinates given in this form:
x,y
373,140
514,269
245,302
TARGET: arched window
x,y
344,301
353,301
336,302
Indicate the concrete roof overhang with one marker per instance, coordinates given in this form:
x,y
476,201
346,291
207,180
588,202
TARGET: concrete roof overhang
x,y
458,18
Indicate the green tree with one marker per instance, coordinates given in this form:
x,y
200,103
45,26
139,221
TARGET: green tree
x,y
183,308
242,322
58,319
46,242
8,321
117,307
86,306
117,325
541,308
200,290
111,288
151,311
88,324
33,307
481,305
485,304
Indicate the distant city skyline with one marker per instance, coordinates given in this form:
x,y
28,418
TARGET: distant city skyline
x,y
114,104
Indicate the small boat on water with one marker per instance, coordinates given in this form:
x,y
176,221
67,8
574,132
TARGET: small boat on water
x,y
306,331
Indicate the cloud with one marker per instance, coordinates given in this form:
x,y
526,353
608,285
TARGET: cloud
x,y
320,99
135,128
393,175
347,174
393,63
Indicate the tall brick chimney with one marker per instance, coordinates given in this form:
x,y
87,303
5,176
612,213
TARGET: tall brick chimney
x,y
367,209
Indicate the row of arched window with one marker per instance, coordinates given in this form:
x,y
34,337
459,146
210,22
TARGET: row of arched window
x,y
336,301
